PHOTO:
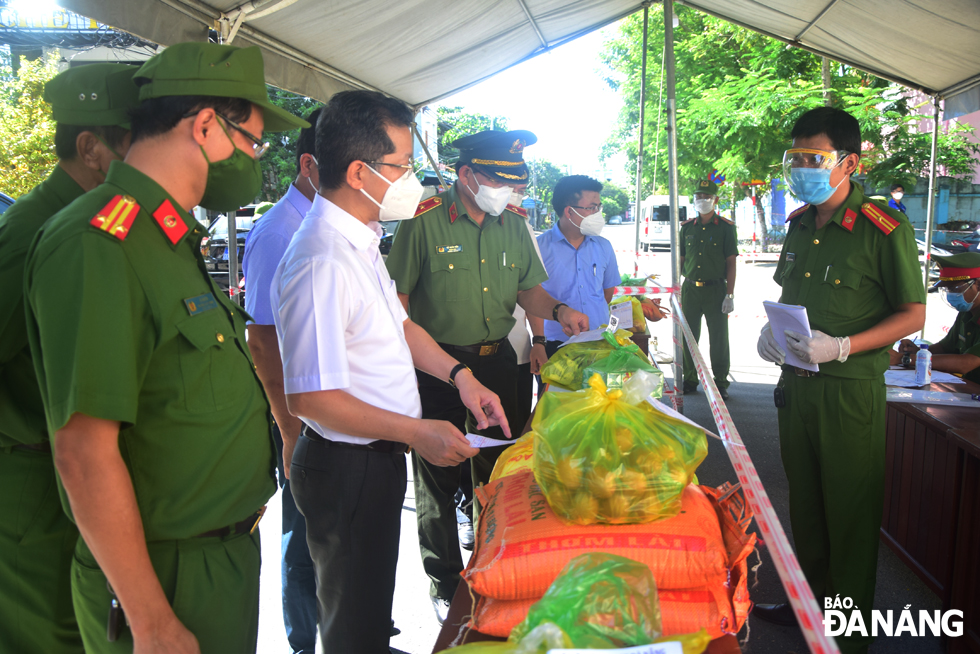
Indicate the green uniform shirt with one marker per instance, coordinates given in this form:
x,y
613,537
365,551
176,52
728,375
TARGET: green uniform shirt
x,y
705,247
963,338
462,280
21,410
850,280
127,325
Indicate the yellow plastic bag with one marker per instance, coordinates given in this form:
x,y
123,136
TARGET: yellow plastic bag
x,y
599,458
515,458
566,366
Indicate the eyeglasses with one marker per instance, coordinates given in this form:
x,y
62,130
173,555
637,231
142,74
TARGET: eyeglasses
x,y
592,208
259,147
394,165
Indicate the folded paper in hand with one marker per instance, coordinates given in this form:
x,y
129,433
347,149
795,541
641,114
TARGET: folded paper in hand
x,y
792,317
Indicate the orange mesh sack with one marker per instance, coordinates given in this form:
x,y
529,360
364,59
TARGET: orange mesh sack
x,y
515,458
521,545
610,457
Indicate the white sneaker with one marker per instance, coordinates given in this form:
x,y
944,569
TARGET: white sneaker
x,y
441,607
466,537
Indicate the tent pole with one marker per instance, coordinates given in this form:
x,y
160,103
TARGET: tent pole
x,y
428,155
675,267
931,201
639,146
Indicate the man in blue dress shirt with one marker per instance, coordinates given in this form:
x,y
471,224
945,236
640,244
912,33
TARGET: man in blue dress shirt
x,y
581,265
264,247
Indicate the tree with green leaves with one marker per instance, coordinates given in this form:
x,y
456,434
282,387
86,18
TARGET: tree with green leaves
x,y
456,122
279,163
26,127
615,200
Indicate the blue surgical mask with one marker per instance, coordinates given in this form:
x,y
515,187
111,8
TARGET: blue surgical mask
x,y
812,185
958,302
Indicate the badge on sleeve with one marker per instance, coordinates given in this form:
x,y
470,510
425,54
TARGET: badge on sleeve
x,y
200,304
116,217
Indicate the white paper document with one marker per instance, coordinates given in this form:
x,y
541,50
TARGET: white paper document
x,y
906,378
624,312
585,337
478,441
964,400
791,317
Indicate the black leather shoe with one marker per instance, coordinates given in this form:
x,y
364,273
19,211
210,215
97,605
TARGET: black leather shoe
x,y
690,388
394,630
723,392
779,614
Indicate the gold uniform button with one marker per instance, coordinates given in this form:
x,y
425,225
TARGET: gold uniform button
x,y
485,289
816,241
483,260
220,337
488,320
806,274
450,266
837,281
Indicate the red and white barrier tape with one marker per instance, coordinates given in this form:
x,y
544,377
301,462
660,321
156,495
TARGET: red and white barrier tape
x,y
643,290
801,598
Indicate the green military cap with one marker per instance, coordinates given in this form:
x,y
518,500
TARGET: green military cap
x,y
210,69
958,267
706,186
498,154
93,95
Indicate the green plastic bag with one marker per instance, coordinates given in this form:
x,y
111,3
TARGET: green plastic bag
x,y
599,600
566,367
604,457
620,365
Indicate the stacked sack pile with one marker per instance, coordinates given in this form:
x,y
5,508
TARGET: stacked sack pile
x,y
604,471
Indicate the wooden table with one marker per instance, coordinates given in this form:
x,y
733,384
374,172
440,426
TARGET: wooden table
x,y
931,517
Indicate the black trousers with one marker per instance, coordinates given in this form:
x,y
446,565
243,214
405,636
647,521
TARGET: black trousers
x,y
352,500
435,486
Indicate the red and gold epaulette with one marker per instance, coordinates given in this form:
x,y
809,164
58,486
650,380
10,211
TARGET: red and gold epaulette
x,y
518,210
427,205
881,220
688,222
170,222
798,212
116,217
730,222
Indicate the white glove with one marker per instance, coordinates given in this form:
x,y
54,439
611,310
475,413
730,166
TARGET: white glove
x,y
819,348
768,348
728,304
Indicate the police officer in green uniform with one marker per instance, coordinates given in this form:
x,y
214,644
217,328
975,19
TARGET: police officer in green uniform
x,y
89,105
461,267
709,246
851,261
959,351
160,429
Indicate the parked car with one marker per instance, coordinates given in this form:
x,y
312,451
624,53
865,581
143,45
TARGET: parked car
x,y
5,202
214,247
615,220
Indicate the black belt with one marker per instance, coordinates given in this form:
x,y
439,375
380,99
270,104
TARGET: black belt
x,y
34,447
710,282
800,372
485,349
388,447
246,526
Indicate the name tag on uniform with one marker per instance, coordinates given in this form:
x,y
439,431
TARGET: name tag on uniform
x,y
790,256
200,304
448,249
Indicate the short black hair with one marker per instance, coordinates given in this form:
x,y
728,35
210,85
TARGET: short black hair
x,y
306,143
895,187
66,137
569,190
158,116
353,127
839,126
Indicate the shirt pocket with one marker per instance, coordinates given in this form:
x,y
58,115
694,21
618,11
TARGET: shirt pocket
x,y
209,361
509,269
840,290
449,274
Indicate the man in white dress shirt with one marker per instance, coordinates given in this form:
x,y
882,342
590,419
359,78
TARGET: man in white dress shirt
x,y
349,355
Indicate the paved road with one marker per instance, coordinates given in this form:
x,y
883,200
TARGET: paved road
x,y
755,417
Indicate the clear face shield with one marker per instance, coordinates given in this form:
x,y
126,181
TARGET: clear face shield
x,y
806,158
955,296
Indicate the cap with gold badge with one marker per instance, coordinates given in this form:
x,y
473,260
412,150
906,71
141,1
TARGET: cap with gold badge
x,y
93,95
499,155
211,69
706,186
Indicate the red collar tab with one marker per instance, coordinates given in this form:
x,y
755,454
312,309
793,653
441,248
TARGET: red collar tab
x,y
452,213
848,221
881,220
170,222
798,212
716,219
116,217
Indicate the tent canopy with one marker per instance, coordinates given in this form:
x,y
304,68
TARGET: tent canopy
x,y
423,50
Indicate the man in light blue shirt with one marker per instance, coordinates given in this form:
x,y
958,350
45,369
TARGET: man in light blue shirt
x,y
581,265
264,247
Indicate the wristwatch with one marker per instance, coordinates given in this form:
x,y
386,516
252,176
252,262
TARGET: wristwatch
x,y
455,371
907,359
554,312
730,296
539,340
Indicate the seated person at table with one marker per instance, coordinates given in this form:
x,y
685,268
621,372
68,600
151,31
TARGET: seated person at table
x,y
581,265
959,351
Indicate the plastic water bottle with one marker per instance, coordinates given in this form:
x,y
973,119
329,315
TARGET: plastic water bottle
x,y
923,366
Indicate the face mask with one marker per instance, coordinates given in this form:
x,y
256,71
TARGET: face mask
x,y
898,196
590,225
489,199
812,185
232,182
958,301
704,206
401,199
516,198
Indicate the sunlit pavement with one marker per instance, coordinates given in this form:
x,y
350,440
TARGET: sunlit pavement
x,y
752,410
